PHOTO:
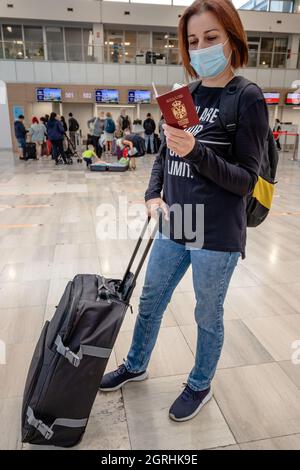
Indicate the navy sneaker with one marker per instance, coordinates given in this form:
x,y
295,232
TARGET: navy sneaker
x,y
116,379
189,403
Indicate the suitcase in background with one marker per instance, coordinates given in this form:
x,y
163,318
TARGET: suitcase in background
x,y
117,167
30,151
72,353
98,167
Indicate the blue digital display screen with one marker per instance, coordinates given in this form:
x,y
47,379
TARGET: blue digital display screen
x,y
107,96
139,96
48,94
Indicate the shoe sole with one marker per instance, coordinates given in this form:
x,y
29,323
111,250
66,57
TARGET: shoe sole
x,y
140,378
202,404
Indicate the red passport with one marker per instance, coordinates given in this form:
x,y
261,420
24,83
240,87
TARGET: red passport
x,y
178,108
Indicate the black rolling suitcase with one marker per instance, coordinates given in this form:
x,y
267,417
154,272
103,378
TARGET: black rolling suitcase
x,y
72,353
30,151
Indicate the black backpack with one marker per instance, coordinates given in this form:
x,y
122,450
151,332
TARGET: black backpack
x,y
260,201
125,123
148,126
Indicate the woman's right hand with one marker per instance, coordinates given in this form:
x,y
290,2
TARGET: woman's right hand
x,y
153,205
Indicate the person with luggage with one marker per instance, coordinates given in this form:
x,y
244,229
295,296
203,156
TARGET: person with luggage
x,y
198,170
73,128
149,127
124,121
20,134
37,132
56,134
109,130
95,131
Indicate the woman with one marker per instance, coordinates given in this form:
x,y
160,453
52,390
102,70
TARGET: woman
x,y
109,130
56,134
65,126
37,133
198,174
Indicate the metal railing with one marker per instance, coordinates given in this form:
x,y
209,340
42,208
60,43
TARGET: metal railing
x,y
121,54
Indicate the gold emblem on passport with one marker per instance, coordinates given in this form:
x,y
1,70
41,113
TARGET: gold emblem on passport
x,y
179,110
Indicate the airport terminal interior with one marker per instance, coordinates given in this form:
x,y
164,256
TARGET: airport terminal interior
x,y
90,58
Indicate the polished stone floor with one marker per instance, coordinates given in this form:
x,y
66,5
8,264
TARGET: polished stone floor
x,y
49,231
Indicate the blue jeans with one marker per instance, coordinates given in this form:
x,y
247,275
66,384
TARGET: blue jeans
x,y
151,138
212,271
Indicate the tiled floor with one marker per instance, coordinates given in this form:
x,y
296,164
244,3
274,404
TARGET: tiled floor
x,y
50,220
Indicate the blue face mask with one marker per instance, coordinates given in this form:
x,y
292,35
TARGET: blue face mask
x,y
210,61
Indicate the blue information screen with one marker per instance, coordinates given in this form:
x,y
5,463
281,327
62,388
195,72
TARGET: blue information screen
x,y
139,96
48,94
107,96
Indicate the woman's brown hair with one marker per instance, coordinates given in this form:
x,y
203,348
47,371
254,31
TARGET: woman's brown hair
x,y
228,18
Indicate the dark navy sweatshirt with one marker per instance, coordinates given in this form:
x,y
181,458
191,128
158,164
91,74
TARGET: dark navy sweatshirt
x,y
215,176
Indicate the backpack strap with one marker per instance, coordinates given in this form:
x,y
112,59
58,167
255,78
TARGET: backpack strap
x,y
229,104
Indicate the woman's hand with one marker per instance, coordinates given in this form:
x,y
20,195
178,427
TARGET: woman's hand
x,y
153,204
178,140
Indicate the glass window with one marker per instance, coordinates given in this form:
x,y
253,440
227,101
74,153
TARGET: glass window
x,y
265,59
280,52
143,41
130,47
88,45
114,47
13,41
153,2
1,44
173,49
285,6
55,43
34,46
73,38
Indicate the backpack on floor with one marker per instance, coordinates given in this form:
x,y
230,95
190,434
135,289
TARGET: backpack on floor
x,y
260,200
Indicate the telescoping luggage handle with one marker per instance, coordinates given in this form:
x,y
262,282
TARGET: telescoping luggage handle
x,y
129,280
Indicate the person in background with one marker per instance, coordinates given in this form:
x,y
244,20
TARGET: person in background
x,y
131,141
109,130
137,127
37,133
160,129
73,128
88,155
20,133
149,126
277,128
95,131
102,121
64,123
56,135
124,121
47,117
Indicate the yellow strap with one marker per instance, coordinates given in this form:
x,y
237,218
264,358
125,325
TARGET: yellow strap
x,y
264,192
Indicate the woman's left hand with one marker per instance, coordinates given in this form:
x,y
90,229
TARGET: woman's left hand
x,y
178,140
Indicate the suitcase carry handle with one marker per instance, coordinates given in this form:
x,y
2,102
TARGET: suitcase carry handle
x,y
129,280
